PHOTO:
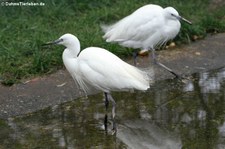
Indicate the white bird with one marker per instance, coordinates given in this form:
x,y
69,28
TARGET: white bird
x,y
147,28
98,68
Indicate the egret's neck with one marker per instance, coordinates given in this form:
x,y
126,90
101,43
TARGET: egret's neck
x,y
70,55
72,49
70,59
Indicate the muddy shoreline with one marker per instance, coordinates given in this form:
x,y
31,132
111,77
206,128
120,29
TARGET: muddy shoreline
x,y
59,87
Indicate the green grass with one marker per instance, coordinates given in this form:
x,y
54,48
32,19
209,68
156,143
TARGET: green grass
x,y
24,28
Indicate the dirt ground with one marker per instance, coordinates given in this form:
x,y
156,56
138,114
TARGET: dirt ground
x,y
59,87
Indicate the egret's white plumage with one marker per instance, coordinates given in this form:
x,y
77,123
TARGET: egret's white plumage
x,y
147,27
100,69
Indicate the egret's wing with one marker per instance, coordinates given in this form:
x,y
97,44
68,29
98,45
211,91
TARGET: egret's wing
x,y
135,27
107,72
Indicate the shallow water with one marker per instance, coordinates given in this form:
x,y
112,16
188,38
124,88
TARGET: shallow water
x,y
171,115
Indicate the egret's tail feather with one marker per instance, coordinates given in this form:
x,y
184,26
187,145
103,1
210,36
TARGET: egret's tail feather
x,y
140,78
105,28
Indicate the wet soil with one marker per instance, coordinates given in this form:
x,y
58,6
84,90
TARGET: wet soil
x,y
39,93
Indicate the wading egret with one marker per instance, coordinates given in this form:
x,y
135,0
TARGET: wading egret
x,y
99,69
147,28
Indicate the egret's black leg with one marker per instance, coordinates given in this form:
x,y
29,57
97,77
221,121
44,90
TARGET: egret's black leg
x,y
135,55
163,66
106,101
113,111
168,69
106,122
106,115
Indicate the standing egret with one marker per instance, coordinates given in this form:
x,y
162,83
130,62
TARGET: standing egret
x,y
97,68
148,27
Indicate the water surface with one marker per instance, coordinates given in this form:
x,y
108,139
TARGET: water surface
x,y
171,115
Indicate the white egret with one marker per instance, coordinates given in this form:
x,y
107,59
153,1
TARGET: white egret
x,y
147,28
97,68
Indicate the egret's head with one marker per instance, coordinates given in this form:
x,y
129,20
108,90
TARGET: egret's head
x,y
67,40
171,13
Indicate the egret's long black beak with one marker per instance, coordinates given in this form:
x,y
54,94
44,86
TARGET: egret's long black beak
x,y
53,42
185,20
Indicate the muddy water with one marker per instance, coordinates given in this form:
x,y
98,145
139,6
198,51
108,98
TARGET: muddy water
x,y
171,115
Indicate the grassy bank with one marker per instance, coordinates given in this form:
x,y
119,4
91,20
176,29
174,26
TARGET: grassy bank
x,y
24,28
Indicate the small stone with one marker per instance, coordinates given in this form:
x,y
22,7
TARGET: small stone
x,y
172,44
143,52
194,37
197,53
